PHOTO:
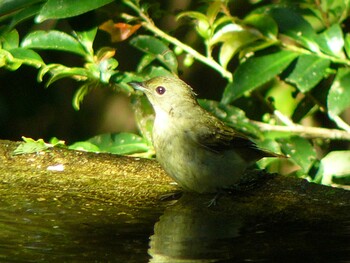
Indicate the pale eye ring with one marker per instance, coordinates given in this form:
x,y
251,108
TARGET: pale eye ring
x,y
160,90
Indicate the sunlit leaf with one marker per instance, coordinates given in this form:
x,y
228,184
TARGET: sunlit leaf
x,y
334,164
347,44
119,31
213,10
264,23
84,146
157,48
80,94
295,26
308,72
25,13
60,72
86,38
331,41
54,9
202,22
300,151
116,143
233,37
10,40
31,146
339,94
11,6
27,56
256,71
54,40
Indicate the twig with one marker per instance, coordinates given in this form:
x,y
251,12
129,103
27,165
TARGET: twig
x,y
306,132
149,24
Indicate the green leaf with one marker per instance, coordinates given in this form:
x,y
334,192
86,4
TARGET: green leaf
x,y
80,94
121,143
31,146
55,40
233,37
334,164
213,10
25,14
84,146
295,26
10,40
27,56
339,94
54,9
11,6
331,41
300,150
308,72
86,38
145,61
202,23
256,71
64,72
347,44
264,23
158,49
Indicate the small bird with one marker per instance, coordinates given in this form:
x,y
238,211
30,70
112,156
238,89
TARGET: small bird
x,y
200,152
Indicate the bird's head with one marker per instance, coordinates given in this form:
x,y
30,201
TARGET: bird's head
x,y
166,93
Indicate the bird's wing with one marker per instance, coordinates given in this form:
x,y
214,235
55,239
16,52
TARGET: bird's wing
x,y
214,135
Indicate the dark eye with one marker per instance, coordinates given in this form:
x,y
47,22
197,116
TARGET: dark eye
x,y
160,90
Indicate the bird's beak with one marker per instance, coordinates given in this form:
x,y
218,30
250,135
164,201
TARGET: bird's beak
x,y
137,85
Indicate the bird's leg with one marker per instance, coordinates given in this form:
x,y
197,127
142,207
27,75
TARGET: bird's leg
x,y
171,196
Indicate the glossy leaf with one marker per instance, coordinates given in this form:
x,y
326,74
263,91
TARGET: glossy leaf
x,y
295,26
32,146
339,94
86,38
10,6
54,9
55,40
84,146
264,23
334,164
25,14
202,23
233,37
10,40
80,94
60,72
158,49
331,41
121,143
301,151
308,72
27,56
256,71
213,10
347,44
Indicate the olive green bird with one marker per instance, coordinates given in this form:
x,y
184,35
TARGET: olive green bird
x,y
196,149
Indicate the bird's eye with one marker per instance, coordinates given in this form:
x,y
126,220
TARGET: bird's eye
x,y
160,90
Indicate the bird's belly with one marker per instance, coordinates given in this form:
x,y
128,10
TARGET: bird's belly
x,y
198,169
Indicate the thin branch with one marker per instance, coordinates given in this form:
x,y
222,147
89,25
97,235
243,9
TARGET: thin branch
x,y
148,24
306,132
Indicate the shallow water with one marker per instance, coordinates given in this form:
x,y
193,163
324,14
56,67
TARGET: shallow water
x,y
72,228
